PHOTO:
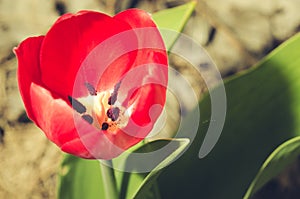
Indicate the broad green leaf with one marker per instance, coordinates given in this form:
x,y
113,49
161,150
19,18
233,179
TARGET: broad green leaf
x,y
283,156
142,185
171,21
80,178
263,111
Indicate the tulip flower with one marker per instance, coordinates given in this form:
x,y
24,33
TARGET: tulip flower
x,y
95,84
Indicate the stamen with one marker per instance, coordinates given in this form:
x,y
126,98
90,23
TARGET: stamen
x,y
113,98
117,86
113,113
105,126
77,106
90,88
88,118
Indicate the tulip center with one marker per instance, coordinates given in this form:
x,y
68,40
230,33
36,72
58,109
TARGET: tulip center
x,y
102,109
109,116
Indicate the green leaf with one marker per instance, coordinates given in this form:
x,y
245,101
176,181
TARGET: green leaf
x,y
80,178
142,185
263,111
179,146
282,157
171,21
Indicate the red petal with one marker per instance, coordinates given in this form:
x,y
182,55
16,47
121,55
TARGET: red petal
x,y
143,86
28,69
147,35
68,43
142,23
136,18
152,62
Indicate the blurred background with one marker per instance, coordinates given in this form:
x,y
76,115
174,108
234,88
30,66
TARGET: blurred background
x,y
236,34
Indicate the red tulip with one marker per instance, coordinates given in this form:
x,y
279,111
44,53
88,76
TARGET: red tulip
x,y
95,84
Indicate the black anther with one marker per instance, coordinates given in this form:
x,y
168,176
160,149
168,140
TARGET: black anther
x,y
117,86
105,126
113,98
77,106
113,113
88,118
90,88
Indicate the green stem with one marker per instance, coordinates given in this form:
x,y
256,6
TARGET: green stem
x,y
109,180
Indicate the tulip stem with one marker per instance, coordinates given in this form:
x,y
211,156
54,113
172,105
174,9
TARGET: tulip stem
x,y
109,180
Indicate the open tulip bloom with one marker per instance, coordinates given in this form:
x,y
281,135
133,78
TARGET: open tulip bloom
x,y
95,84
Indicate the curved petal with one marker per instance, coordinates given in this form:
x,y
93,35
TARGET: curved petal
x,y
144,87
145,28
136,18
147,36
53,115
152,61
123,139
150,50
68,43
143,91
28,69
